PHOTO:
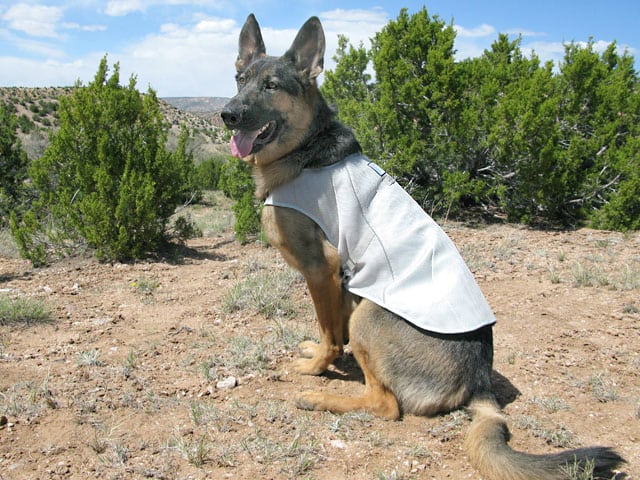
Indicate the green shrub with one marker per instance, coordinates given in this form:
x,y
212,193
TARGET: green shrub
x,y
247,217
622,212
13,165
22,310
185,228
106,180
207,173
236,183
507,133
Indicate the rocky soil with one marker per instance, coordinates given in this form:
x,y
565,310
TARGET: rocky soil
x,y
180,368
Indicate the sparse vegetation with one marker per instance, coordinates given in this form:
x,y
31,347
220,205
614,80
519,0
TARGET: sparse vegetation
x,y
137,367
23,311
603,387
27,398
145,285
89,358
559,436
551,404
195,451
264,291
576,471
129,363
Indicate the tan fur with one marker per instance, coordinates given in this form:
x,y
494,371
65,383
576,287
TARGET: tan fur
x,y
299,115
303,245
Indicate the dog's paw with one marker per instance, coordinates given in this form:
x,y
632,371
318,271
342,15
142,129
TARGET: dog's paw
x,y
308,400
308,349
310,366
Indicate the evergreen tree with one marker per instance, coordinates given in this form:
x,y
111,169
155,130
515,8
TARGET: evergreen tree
x,y
612,191
237,183
13,165
106,178
351,90
499,131
413,60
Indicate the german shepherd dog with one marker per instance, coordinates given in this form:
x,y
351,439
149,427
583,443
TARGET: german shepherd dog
x,y
284,127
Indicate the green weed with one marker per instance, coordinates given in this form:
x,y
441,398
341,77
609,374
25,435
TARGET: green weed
x,y
146,285
559,437
263,291
196,451
603,387
24,311
89,358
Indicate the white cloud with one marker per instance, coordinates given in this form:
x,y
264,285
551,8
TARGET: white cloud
x,y
472,42
481,31
524,32
35,20
29,45
182,60
545,51
118,8
41,49
33,73
215,26
359,26
84,28
373,16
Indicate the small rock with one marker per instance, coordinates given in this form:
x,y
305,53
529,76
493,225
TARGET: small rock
x,y
3,421
338,444
229,382
207,391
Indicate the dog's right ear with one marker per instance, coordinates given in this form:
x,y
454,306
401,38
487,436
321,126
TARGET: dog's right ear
x,y
251,45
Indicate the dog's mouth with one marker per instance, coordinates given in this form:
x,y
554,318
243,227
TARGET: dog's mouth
x,y
244,142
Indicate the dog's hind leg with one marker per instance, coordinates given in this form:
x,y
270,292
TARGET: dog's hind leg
x,y
376,399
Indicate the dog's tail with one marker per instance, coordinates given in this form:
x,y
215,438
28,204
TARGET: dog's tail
x,y
489,453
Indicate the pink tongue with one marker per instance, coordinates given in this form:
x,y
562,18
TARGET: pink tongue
x,y
242,143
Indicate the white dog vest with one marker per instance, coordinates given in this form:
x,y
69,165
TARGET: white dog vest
x,y
391,251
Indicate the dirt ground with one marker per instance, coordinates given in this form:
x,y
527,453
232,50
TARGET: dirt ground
x,y
180,369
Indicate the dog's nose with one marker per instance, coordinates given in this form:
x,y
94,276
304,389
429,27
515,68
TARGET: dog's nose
x,y
231,117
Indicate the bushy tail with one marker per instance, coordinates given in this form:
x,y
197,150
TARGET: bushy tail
x,y
489,453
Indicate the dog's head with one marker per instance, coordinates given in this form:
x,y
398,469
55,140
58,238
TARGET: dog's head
x,y
274,106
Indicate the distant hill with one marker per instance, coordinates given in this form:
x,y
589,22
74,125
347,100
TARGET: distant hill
x,y
198,105
204,107
37,112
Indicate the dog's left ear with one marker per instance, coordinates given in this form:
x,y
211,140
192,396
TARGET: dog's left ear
x,y
307,50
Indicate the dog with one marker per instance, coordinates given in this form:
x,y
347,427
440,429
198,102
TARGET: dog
x,y
335,217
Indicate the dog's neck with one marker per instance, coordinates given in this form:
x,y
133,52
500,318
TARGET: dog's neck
x,y
331,142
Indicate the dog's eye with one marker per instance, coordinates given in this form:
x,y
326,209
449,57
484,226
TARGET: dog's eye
x,y
241,80
271,85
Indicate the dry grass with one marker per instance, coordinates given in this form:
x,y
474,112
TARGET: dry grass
x,y
23,311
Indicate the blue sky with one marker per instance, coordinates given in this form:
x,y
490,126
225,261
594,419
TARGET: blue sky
x,y
188,47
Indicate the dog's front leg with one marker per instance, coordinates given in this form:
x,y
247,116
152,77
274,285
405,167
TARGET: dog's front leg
x,y
325,287
305,247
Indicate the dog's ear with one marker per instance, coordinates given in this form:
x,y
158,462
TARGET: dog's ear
x,y
251,45
307,50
